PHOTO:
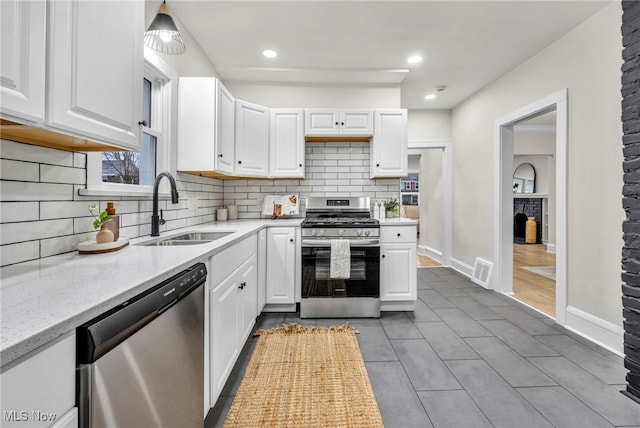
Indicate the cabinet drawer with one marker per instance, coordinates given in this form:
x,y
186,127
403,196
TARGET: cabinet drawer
x,y
391,234
224,263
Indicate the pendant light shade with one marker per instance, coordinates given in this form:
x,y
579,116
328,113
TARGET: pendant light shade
x,y
163,35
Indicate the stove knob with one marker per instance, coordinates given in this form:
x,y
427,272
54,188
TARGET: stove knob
x,y
341,232
359,232
367,232
314,232
322,232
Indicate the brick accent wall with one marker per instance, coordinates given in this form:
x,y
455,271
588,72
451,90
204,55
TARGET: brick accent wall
x,y
631,193
532,208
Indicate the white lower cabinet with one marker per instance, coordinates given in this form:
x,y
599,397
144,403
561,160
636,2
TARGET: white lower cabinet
x,y
39,391
262,269
232,302
398,271
281,266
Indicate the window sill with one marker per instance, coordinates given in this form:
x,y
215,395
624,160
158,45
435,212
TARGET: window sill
x,y
123,193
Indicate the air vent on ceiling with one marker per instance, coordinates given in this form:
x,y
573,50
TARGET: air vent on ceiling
x,y
482,272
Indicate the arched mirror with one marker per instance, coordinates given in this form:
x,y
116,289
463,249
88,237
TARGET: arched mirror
x,y
524,179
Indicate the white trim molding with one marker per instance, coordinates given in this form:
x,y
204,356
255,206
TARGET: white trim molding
x,y
597,330
447,192
462,267
551,248
503,196
425,250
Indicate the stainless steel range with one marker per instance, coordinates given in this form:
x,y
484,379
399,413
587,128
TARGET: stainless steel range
x,y
340,259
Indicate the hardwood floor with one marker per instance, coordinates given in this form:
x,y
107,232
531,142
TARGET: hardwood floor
x,y
424,261
528,287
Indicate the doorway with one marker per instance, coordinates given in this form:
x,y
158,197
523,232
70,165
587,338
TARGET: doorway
x,y
432,165
534,263
505,136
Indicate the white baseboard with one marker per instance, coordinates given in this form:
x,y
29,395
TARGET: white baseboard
x,y
398,306
425,250
551,248
462,267
597,330
280,308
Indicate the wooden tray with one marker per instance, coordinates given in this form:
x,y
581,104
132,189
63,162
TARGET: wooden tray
x,y
92,247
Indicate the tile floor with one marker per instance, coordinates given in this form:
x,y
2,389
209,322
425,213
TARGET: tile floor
x,y
468,357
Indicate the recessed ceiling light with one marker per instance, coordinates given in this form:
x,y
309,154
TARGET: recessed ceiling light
x,y
414,59
269,53
430,97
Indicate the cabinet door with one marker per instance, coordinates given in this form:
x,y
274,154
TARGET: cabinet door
x,y
22,61
281,263
44,382
225,138
224,333
252,140
356,122
389,145
262,269
398,272
248,297
196,124
286,143
95,69
321,122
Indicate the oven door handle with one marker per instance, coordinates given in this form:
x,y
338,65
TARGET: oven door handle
x,y
353,243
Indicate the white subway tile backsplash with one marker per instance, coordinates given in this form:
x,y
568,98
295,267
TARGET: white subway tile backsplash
x,y
18,170
80,160
84,224
325,162
65,209
19,211
31,153
27,191
62,174
32,230
63,244
16,253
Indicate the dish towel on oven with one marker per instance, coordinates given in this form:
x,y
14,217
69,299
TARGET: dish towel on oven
x,y
340,259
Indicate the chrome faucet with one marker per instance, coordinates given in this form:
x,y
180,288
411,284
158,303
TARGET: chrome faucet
x,y
156,220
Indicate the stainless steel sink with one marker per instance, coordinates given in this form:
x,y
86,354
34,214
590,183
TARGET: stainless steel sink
x,y
192,238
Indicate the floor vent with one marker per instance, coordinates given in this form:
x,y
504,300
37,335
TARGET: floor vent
x,y
482,272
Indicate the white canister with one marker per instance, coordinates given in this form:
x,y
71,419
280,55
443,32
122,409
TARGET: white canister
x,y
233,212
221,214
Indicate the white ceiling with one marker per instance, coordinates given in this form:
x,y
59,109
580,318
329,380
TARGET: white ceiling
x,y
466,44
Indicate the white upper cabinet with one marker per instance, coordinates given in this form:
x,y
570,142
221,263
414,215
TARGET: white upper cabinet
x,y
225,136
356,122
389,147
206,127
333,122
23,58
252,140
286,143
95,69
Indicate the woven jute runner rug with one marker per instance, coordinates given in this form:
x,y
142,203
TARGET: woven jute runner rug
x,y
305,377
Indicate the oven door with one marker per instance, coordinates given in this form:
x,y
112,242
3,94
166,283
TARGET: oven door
x,y
364,280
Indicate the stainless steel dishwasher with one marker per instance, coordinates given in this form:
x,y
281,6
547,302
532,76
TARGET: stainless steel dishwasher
x,y
142,363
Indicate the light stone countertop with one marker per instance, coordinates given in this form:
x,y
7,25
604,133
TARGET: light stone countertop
x,y
44,299
400,221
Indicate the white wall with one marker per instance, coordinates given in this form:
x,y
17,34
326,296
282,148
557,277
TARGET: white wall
x,y
587,61
426,125
431,203
315,96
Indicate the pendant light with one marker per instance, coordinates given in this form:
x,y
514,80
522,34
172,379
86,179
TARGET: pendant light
x,y
163,35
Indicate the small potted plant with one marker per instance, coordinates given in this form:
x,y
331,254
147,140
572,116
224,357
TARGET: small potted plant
x,y
391,207
104,235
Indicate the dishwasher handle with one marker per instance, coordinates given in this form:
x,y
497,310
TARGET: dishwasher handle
x,y
103,333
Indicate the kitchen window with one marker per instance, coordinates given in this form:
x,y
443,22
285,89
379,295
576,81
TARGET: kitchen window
x,y
125,173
